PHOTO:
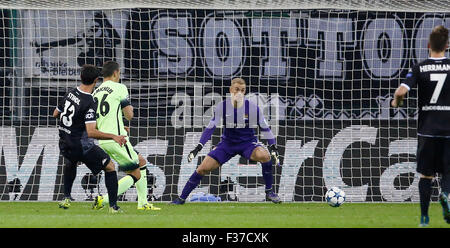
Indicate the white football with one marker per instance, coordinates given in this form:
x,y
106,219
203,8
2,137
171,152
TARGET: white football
x,y
335,197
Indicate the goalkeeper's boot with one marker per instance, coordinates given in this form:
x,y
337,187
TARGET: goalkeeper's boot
x,y
147,207
115,210
443,199
178,201
65,204
271,196
98,203
424,221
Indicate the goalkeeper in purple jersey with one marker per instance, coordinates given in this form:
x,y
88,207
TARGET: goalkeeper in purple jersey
x,y
240,117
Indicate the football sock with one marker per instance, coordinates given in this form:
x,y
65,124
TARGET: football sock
x,y
70,172
425,195
191,184
267,174
141,187
124,184
111,186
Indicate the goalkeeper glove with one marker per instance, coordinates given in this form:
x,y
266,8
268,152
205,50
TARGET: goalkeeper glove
x,y
273,150
194,152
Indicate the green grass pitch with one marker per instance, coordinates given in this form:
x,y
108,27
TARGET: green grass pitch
x,y
227,215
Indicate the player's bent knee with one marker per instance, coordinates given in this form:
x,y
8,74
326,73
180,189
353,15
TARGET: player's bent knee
x,y
70,165
261,155
202,171
136,173
142,161
266,158
207,166
110,167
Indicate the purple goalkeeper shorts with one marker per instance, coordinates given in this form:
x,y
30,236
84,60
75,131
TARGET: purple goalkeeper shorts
x,y
224,151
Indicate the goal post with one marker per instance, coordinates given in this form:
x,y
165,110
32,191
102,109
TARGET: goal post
x,y
323,72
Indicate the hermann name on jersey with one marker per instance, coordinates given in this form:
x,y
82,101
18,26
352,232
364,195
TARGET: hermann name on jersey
x,y
435,67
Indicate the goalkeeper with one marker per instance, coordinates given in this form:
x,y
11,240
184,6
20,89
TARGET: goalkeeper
x,y
240,117
112,100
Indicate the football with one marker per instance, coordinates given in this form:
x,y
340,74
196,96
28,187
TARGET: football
x,y
335,197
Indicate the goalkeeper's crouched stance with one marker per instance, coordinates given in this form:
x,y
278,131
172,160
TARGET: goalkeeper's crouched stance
x,y
239,116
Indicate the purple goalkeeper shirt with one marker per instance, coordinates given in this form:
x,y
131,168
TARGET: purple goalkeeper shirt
x,y
239,123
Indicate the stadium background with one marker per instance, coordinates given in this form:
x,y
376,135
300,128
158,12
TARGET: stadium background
x,y
324,78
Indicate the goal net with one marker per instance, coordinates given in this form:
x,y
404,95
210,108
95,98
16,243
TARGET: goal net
x,y
323,72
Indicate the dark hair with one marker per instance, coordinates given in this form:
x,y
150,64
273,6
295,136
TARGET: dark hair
x,y
109,67
439,39
88,74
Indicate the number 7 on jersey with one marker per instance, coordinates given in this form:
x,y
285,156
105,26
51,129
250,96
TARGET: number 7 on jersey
x,y
440,78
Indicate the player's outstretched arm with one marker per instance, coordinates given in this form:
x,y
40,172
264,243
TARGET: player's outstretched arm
x,y
194,152
207,133
93,132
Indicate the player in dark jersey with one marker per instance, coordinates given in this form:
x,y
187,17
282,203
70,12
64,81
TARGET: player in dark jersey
x,y
240,117
77,128
432,78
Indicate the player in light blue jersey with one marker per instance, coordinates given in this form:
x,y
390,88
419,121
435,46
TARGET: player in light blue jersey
x,y
240,117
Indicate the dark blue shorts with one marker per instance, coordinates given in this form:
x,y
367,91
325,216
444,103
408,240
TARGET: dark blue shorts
x,y
433,155
95,158
224,151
